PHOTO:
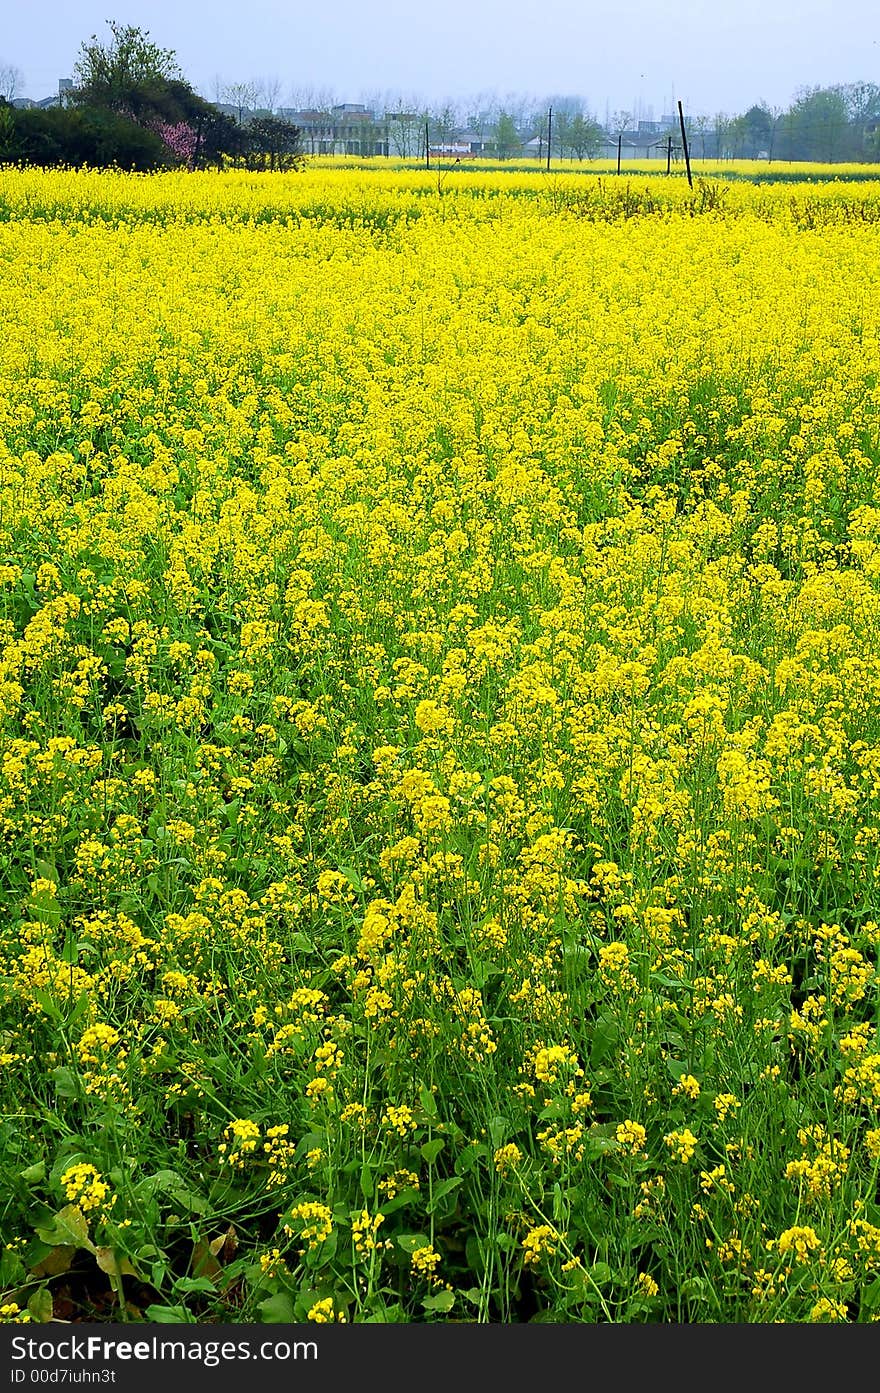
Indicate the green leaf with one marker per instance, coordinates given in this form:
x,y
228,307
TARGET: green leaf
x,y
12,1269
444,1188
66,1085
171,1184
48,1003
696,1289
301,943
497,1128
69,1228
431,1149
44,906
468,1158
477,1253
277,1309
410,1241
183,1285
167,1315
429,1103
32,1175
353,878
605,1036
40,1306
443,1301
408,1195
870,1295
80,1007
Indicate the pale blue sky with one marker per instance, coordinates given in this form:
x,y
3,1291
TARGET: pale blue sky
x,y
717,55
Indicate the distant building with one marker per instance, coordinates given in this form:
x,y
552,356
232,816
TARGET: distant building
x,y
639,143
315,128
472,139
452,149
347,129
356,131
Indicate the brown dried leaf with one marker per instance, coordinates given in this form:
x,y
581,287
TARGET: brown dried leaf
x,y
203,1263
225,1246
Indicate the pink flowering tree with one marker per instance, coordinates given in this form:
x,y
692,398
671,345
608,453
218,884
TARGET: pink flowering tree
x,y
181,139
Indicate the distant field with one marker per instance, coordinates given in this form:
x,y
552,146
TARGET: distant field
x,y
760,171
439,747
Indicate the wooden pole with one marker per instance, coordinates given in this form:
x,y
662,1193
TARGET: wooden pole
x,y
619,143
549,135
668,154
427,148
684,141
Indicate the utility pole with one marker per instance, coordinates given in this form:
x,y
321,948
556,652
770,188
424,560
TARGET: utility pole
x,y
684,141
619,144
669,154
427,148
549,135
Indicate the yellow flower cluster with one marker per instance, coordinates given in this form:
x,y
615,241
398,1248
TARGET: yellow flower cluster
x,y
84,1186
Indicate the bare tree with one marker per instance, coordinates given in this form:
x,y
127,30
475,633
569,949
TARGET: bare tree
x,y
244,96
312,98
776,114
521,108
700,125
405,126
480,114
443,120
11,80
723,125
270,92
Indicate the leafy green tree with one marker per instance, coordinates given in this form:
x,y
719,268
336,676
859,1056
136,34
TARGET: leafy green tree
x,y
135,79
816,126
506,137
757,131
862,100
7,132
124,73
584,137
273,142
560,133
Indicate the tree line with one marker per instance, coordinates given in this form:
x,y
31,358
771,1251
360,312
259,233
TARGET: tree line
x,y
131,106
825,124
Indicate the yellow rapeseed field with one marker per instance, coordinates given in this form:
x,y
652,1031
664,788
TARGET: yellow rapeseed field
x,y
439,747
